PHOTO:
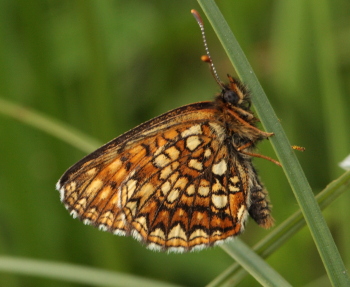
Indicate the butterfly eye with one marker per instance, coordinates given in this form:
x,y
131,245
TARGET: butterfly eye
x,y
231,97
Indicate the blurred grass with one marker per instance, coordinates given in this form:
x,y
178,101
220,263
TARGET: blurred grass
x,y
72,273
104,67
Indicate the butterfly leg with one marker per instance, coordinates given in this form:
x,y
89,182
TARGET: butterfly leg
x,y
241,149
262,156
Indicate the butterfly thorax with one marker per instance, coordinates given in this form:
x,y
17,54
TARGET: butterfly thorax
x,y
233,104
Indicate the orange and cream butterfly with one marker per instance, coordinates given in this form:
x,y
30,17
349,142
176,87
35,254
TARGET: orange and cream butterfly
x,y
182,181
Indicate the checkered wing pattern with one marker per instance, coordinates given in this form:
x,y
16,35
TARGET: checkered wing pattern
x,y
176,183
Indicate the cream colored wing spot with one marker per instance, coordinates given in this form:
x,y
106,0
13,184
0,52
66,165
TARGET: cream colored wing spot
x,y
81,203
204,187
92,171
161,161
168,170
177,232
166,186
173,178
107,218
181,183
190,190
145,193
207,153
165,172
199,216
105,192
173,195
159,150
198,233
175,165
119,224
115,199
114,166
219,168
204,182
193,130
233,189
193,142
158,233
195,164
219,201
71,186
93,187
131,186
91,215
217,186
203,190
234,179
216,233
146,188
132,206
143,222
173,153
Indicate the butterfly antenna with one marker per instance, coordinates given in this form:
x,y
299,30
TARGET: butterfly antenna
x,y
206,58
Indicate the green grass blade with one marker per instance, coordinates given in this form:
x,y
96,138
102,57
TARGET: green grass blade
x,y
254,264
74,273
319,230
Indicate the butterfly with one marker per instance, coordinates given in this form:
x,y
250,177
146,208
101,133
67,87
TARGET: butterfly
x,y
180,182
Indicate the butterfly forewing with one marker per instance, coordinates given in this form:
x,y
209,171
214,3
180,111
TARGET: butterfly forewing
x,y
176,182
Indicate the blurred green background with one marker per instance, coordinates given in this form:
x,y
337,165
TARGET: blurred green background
x,y
104,67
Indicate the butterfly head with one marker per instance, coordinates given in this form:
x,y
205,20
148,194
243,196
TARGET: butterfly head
x,y
235,94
